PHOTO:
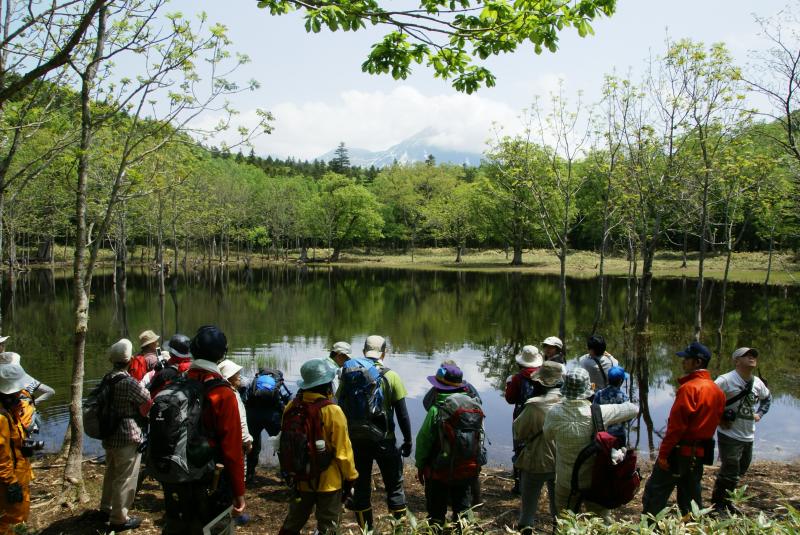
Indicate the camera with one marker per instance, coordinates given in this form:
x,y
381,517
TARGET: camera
x,y
30,445
729,415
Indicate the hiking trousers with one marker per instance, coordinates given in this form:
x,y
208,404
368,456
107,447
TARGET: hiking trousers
x,y
685,474
439,494
390,463
531,486
260,419
735,457
119,481
328,507
190,506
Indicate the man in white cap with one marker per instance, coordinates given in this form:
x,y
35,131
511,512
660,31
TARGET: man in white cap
x,y
131,403
736,431
519,389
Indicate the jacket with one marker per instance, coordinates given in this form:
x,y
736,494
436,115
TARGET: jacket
x,y
337,439
513,392
538,455
569,424
695,414
222,423
14,468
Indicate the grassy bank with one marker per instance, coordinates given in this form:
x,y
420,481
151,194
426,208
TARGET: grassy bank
x,y
773,490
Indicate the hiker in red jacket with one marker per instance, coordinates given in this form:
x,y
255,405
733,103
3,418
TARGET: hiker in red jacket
x,y
688,443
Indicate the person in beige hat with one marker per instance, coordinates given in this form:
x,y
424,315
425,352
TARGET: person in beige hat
x,y
131,403
147,358
520,388
537,457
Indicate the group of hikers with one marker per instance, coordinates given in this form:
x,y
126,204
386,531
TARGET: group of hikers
x,y
195,422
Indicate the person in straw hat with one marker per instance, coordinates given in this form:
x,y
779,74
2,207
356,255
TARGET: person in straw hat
x,y
520,388
537,458
147,358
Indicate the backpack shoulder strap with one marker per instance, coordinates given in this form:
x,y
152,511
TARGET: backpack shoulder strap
x,y
744,392
600,367
597,418
582,457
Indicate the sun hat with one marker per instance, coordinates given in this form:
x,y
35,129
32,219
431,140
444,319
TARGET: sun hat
x,y
147,338
315,372
577,384
3,339
228,368
618,373
550,374
9,357
448,377
120,351
342,348
553,341
695,350
13,378
374,346
530,357
742,351
178,345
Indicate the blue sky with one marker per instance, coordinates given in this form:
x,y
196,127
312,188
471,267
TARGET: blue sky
x,y
314,86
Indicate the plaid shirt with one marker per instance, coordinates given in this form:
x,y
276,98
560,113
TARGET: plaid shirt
x,y
129,399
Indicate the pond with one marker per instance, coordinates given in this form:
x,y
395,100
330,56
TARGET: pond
x,y
286,315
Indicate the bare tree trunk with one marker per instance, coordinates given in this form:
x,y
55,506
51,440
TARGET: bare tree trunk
x,y
562,309
517,259
698,323
771,249
459,249
685,247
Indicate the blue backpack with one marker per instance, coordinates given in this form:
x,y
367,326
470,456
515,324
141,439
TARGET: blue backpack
x,y
267,389
362,396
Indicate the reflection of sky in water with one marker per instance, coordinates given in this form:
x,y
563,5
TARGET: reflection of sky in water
x,y
774,434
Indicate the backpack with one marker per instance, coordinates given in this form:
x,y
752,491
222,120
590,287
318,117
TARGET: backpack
x,y
99,417
178,450
266,389
301,428
613,485
459,428
138,367
362,395
162,378
527,390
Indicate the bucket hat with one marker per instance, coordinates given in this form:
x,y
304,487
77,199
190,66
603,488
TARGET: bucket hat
x,y
13,378
577,384
448,377
618,373
9,357
695,350
742,351
530,357
120,351
147,338
553,341
549,374
315,372
374,346
3,339
228,368
342,348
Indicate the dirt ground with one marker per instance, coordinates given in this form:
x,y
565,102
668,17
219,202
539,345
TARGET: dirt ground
x,y
771,486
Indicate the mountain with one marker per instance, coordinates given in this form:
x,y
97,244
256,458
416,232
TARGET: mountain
x,y
413,149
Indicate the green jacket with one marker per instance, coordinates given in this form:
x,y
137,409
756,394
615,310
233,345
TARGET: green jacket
x,y
427,440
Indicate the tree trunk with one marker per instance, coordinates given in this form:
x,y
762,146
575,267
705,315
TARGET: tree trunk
x,y
336,252
646,285
685,248
562,309
459,249
517,260
771,249
698,321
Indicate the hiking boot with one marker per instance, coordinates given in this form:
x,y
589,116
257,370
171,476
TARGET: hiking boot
x,y
132,523
98,515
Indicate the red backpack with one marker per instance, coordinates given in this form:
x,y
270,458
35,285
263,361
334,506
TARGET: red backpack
x,y
459,427
138,367
301,428
613,485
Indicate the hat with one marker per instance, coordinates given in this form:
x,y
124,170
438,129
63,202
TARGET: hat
x,y
315,372
530,357
9,357
147,338
178,345
342,348
228,368
448,377
577,384
742,351
374,346
553,341
618,373
13,378
549,374
695,350
120,351
3,339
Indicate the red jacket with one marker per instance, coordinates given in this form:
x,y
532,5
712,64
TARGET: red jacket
x,y
696,413
221,420
514,386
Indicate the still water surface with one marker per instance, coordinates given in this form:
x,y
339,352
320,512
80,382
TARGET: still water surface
x,y
284,316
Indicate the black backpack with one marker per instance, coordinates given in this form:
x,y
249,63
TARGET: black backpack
x,y
267,389
100,419
178,450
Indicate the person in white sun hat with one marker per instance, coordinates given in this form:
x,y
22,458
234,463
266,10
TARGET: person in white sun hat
x,y
519,389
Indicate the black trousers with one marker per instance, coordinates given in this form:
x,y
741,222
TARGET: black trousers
x,y
261,419
390,463
440,494
686,474
190,506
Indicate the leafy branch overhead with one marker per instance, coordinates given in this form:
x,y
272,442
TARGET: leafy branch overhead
x,y
453,37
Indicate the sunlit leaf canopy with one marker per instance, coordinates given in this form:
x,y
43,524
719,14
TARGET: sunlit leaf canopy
x,y
452,37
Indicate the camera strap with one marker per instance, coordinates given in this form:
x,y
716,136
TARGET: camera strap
x,y
745,392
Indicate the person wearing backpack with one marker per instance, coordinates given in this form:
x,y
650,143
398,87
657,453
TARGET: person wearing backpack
x,y
537,458
265,399
519,389
179,361
597,361
613,395
688,443
449,452
15,467
148,357
130,403
737,428
316,456
388,391
232,373
195,448
569,424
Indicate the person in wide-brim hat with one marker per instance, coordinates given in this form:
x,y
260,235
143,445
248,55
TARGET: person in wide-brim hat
x,y
315,372
577,385
448,377
529,357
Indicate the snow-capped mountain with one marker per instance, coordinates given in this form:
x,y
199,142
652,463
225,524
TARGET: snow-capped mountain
x,y
416,148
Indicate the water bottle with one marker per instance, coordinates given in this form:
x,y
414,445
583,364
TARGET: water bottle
x,y
320,445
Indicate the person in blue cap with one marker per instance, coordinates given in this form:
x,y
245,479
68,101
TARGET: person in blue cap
x,y
614,395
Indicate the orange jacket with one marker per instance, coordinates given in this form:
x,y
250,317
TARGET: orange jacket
x,y
696,413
